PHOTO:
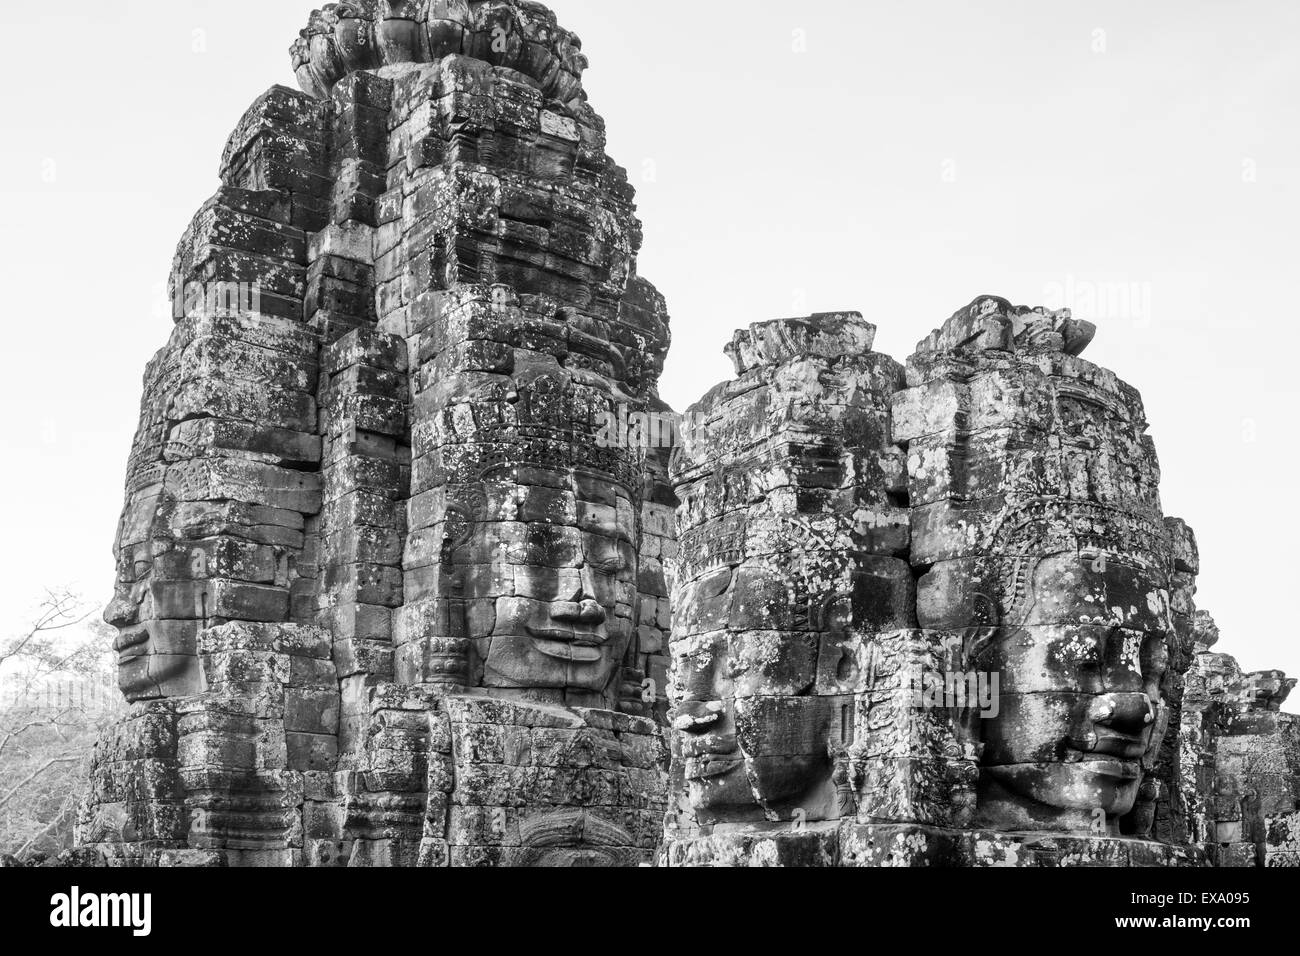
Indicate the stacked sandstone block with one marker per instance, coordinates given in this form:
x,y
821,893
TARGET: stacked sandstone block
x,y
495,275
532,782
1240,759
368,34
436,210
366,473
253,748
225,777
135,806
247,391
792,566
223,490
504,244
360,492
1028,526
396,786
1035,522
918,760
1162,813
471,782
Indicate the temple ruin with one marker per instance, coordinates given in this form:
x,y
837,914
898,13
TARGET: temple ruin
x,y
410,573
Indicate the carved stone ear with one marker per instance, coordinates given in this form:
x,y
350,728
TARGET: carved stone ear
x,y
458,529
354,35
463,516
400,37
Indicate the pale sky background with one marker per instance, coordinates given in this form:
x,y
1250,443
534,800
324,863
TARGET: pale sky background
x,y
897,157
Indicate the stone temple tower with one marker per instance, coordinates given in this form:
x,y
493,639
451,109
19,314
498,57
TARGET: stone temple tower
x,y
390,587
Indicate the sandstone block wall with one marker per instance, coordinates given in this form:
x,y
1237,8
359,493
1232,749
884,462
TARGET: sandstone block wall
x,y
391,590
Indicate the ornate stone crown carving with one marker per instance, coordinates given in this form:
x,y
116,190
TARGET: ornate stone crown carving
x,y
343,38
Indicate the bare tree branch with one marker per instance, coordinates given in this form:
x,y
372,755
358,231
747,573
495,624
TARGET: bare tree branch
x,y
47,735
69,805
59,611
52,762
11,736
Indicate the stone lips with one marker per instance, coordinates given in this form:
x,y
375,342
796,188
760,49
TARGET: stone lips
x,y
524,37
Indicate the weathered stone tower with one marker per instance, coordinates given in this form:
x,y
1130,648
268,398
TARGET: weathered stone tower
x,y
390,590
936,616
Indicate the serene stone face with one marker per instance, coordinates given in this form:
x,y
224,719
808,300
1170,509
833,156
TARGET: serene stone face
x,y
560,581
156,659
742,748
754,734
403,533
128,613
389,481
783,485
157,605
1037,527
1081,703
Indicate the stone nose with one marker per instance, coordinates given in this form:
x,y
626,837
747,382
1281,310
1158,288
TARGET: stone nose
x,y
122,612
1124,713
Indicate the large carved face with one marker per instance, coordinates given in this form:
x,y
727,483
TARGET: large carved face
x,y
1081,706
558,575
753,733
155,608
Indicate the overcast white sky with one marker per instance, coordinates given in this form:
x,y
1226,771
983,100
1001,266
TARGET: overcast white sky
x,y
898,157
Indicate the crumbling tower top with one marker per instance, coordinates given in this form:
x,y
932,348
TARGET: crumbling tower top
x,y
343,38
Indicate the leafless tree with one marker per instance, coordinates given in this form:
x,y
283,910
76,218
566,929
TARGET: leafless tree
x,y
46,739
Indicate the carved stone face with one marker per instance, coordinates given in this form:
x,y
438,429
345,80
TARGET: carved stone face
x,y
753,734
1081,703
157,657
560,582
134,640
